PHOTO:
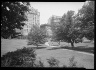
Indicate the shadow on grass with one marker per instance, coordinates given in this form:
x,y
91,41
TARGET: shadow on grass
x,y
38,47
78,48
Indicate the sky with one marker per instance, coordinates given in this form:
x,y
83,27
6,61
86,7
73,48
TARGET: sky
x,y
47,9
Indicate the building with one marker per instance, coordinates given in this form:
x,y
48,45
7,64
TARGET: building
x,y
54,20
33,18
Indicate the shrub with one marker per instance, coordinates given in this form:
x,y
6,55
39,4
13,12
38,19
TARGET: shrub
x,y
72,62
20,57
39,63
53,62
26,57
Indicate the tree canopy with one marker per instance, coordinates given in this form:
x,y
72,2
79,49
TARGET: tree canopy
x,y
36,36
85,20
12,17
73,27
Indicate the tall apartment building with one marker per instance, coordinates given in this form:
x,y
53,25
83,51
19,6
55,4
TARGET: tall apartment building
x,y
33,18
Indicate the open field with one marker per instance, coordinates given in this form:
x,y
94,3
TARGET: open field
x,y
63,55
11,45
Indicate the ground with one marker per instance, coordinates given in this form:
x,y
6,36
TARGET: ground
x,y
44,53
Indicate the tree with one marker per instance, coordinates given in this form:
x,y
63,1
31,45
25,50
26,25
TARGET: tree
x,y
43,27
85,20
12,17
57,32
54,25
66,31
36,36
73,27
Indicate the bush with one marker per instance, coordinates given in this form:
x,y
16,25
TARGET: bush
x,y
53,62
20,57
39,63
72,62
26,57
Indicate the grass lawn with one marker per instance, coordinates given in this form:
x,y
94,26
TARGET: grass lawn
x,y
62,55
11,45
84,47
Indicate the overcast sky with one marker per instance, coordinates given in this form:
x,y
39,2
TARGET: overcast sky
x,y
47,9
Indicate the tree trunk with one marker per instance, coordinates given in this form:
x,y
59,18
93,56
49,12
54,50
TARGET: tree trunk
x,y
9,37
68,44
37,46
72,44
59,42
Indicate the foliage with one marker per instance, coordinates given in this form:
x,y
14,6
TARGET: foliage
x,y
73,28
36,36
39,63
85,20
66,31
54,26
53,62
12,17
44,27
72,62
20,58
26,57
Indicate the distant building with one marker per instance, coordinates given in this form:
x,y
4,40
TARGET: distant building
x,y
33,18
54,20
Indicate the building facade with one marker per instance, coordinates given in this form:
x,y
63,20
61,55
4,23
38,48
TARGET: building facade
x,y
33,17
54,20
